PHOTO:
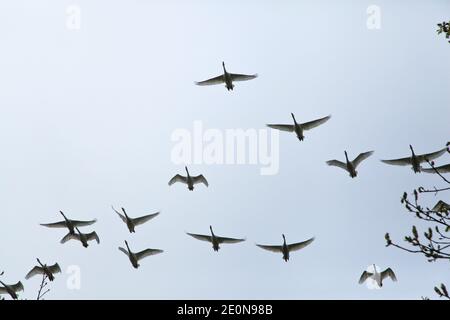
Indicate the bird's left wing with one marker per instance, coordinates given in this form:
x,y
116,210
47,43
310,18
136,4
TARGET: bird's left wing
x,y
147,252
299,245
361,157
312,124
431,156
200,237
143,219
388,273
55,268
93,236
229,240
200,179
242,77
441,169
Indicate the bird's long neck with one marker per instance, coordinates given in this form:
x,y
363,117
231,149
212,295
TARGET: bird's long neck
x,y
39,261
64,216
212,232
374,269
346,156
128,248
284,240
293,117
412,150
223,66
187,171
125,213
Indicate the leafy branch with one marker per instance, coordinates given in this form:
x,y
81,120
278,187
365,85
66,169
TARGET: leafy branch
x,y
444,27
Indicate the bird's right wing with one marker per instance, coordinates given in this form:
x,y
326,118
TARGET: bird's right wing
x,y
200,237
143,219
70,236
315,123
35,271
299,245
388,273
282,127
60,224
271,248
361,157
121,216
78,223
124,251
431,156
212,81
337,163
55,268
441,169
3,290
147,252
178,178
398,162
365,275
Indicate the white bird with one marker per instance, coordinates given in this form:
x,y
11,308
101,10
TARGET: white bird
x,y
135,257
415,160
215,240
299,128
441,169
84,238
133,222
11,289
285,248
350,166
70,224
227,78
377,276
189,180
49,271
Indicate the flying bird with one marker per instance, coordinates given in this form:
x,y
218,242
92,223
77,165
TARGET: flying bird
x,y
415,160
227,78
136,256
133,222
189,180
285,249
49,271
377,276
350,166
299,128
215,240
11,289
84,238
70,224
441,169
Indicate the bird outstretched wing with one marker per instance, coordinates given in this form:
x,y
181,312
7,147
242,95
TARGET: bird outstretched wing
x,y
282,127
144,219
147,252
361,157
216,80
299,245
388,273
337,163
365,275
200,179
271,248
315,123
242,77
200,237
178,178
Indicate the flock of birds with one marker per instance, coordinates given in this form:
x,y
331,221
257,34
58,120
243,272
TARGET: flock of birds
x,y
74,233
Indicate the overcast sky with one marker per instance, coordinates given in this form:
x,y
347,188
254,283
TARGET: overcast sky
x,y
87,118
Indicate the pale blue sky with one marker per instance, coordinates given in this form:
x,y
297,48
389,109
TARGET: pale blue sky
x,y
87,117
